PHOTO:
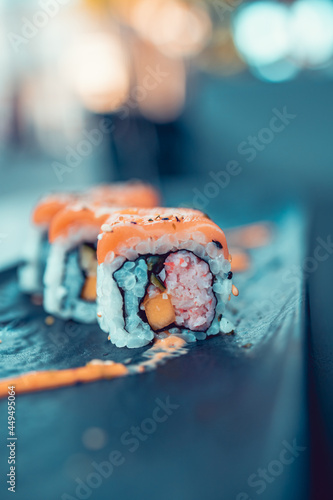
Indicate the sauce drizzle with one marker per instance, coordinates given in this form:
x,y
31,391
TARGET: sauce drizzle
x,y
163,349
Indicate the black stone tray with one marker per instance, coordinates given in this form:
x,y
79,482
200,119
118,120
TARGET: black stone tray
x,y
238,401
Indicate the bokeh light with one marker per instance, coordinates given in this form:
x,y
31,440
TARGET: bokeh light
x,y
178,29
261,32
94,438
279,71
312,31
277,40
98,69
160,83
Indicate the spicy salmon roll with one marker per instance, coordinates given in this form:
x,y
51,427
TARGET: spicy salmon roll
x,y
127,194
35,254
162,269
70,275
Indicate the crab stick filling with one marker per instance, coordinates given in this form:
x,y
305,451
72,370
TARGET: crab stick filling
x,y
180,294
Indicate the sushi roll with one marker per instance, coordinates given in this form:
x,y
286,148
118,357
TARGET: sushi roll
x,y
71,270
127,194
162,269
31,272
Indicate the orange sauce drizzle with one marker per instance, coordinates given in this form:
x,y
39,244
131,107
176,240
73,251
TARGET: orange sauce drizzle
x,y
250,236
163,349
52,379
247,237
240,261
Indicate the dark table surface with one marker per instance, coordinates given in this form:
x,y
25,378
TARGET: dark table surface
x,y
235,410
320,355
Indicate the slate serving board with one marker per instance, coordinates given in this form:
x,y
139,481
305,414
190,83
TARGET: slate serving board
x,y
237,401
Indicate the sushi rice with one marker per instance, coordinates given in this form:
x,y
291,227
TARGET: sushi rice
x,y
63,278
123,280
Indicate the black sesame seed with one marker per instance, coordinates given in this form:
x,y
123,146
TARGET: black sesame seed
x,y
177,218
132,222
217,243
229,275
150,220
165,218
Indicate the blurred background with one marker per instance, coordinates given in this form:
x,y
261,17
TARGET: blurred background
x,y
213,101
171,90
212,98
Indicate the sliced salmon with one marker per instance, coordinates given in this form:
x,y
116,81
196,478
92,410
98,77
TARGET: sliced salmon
x,y
154,223
127,194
